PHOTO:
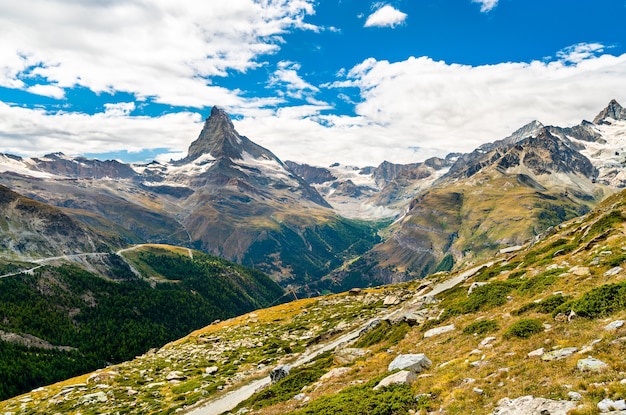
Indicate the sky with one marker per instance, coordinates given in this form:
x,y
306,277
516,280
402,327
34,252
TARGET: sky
x,y
316,81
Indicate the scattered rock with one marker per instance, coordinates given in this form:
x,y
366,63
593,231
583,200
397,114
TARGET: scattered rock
x,y
613,271
211,370
536,353
336,372
580,271
391,300
614,325
355,291
415,363
574,396
529,405
591,365
559,354
439,330
402,377
174,375
486,342
478,391
279,372
98,397
606,405
572,316
348,355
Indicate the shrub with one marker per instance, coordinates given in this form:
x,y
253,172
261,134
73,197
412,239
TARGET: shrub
x,y
599,302
481,327
524,328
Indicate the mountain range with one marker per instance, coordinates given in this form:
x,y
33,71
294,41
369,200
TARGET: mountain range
x,y
78,235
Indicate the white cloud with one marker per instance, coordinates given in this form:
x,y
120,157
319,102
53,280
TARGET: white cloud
x,y
287,76
486,5
161,49
47,91
579,52
33,132
439,108
385,16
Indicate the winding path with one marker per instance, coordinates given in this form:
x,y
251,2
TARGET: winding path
x,y
231,399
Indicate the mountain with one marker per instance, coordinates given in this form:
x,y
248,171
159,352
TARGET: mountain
x,y
31,229
229,197
538,330
501,195
65,316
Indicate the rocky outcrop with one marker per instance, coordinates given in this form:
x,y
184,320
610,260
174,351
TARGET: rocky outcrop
x,y
529,405
415,363
612,111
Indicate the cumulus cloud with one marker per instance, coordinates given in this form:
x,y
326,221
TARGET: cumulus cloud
x,y
287,77
385,16
163,50
420,107
33,132
486,5
579,52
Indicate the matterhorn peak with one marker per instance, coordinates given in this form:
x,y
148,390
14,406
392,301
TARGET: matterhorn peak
x,y
614,111
217,138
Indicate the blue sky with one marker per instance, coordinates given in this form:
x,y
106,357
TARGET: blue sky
x,y
352,81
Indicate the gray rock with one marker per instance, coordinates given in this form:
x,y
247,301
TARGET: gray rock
x,y
529,405
559,354
574,396
279,372
175,375
606,405
486,342
613,271
439,330
403,377
391,300
98,397
415,363
591,365
536,353
614,325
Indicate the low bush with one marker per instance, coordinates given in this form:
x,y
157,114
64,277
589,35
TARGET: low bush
x,y
524,328
481,327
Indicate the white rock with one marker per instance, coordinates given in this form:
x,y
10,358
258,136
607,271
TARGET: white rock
x,y
613,271
98,397
402,377
391,300
606,405
211,370
614,325
415,363
536,353
559,354
486,341
439,330
529,405
336,372
591,365
574,396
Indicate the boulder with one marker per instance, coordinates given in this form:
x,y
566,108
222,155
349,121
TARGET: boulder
x,y
335,372
606,405
486,342
175,375
415,363
559,354
403,377
391,300
614,325
529,405
279,372
439,330
591,365
536,353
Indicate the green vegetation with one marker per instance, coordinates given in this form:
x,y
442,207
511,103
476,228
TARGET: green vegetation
x,y
313,253
446,264
113,321
481,327
384,332
362,400
600,302
291,385
524,328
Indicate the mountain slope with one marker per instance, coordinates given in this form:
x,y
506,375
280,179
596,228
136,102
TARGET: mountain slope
x,y
66,318
229,197
492,334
